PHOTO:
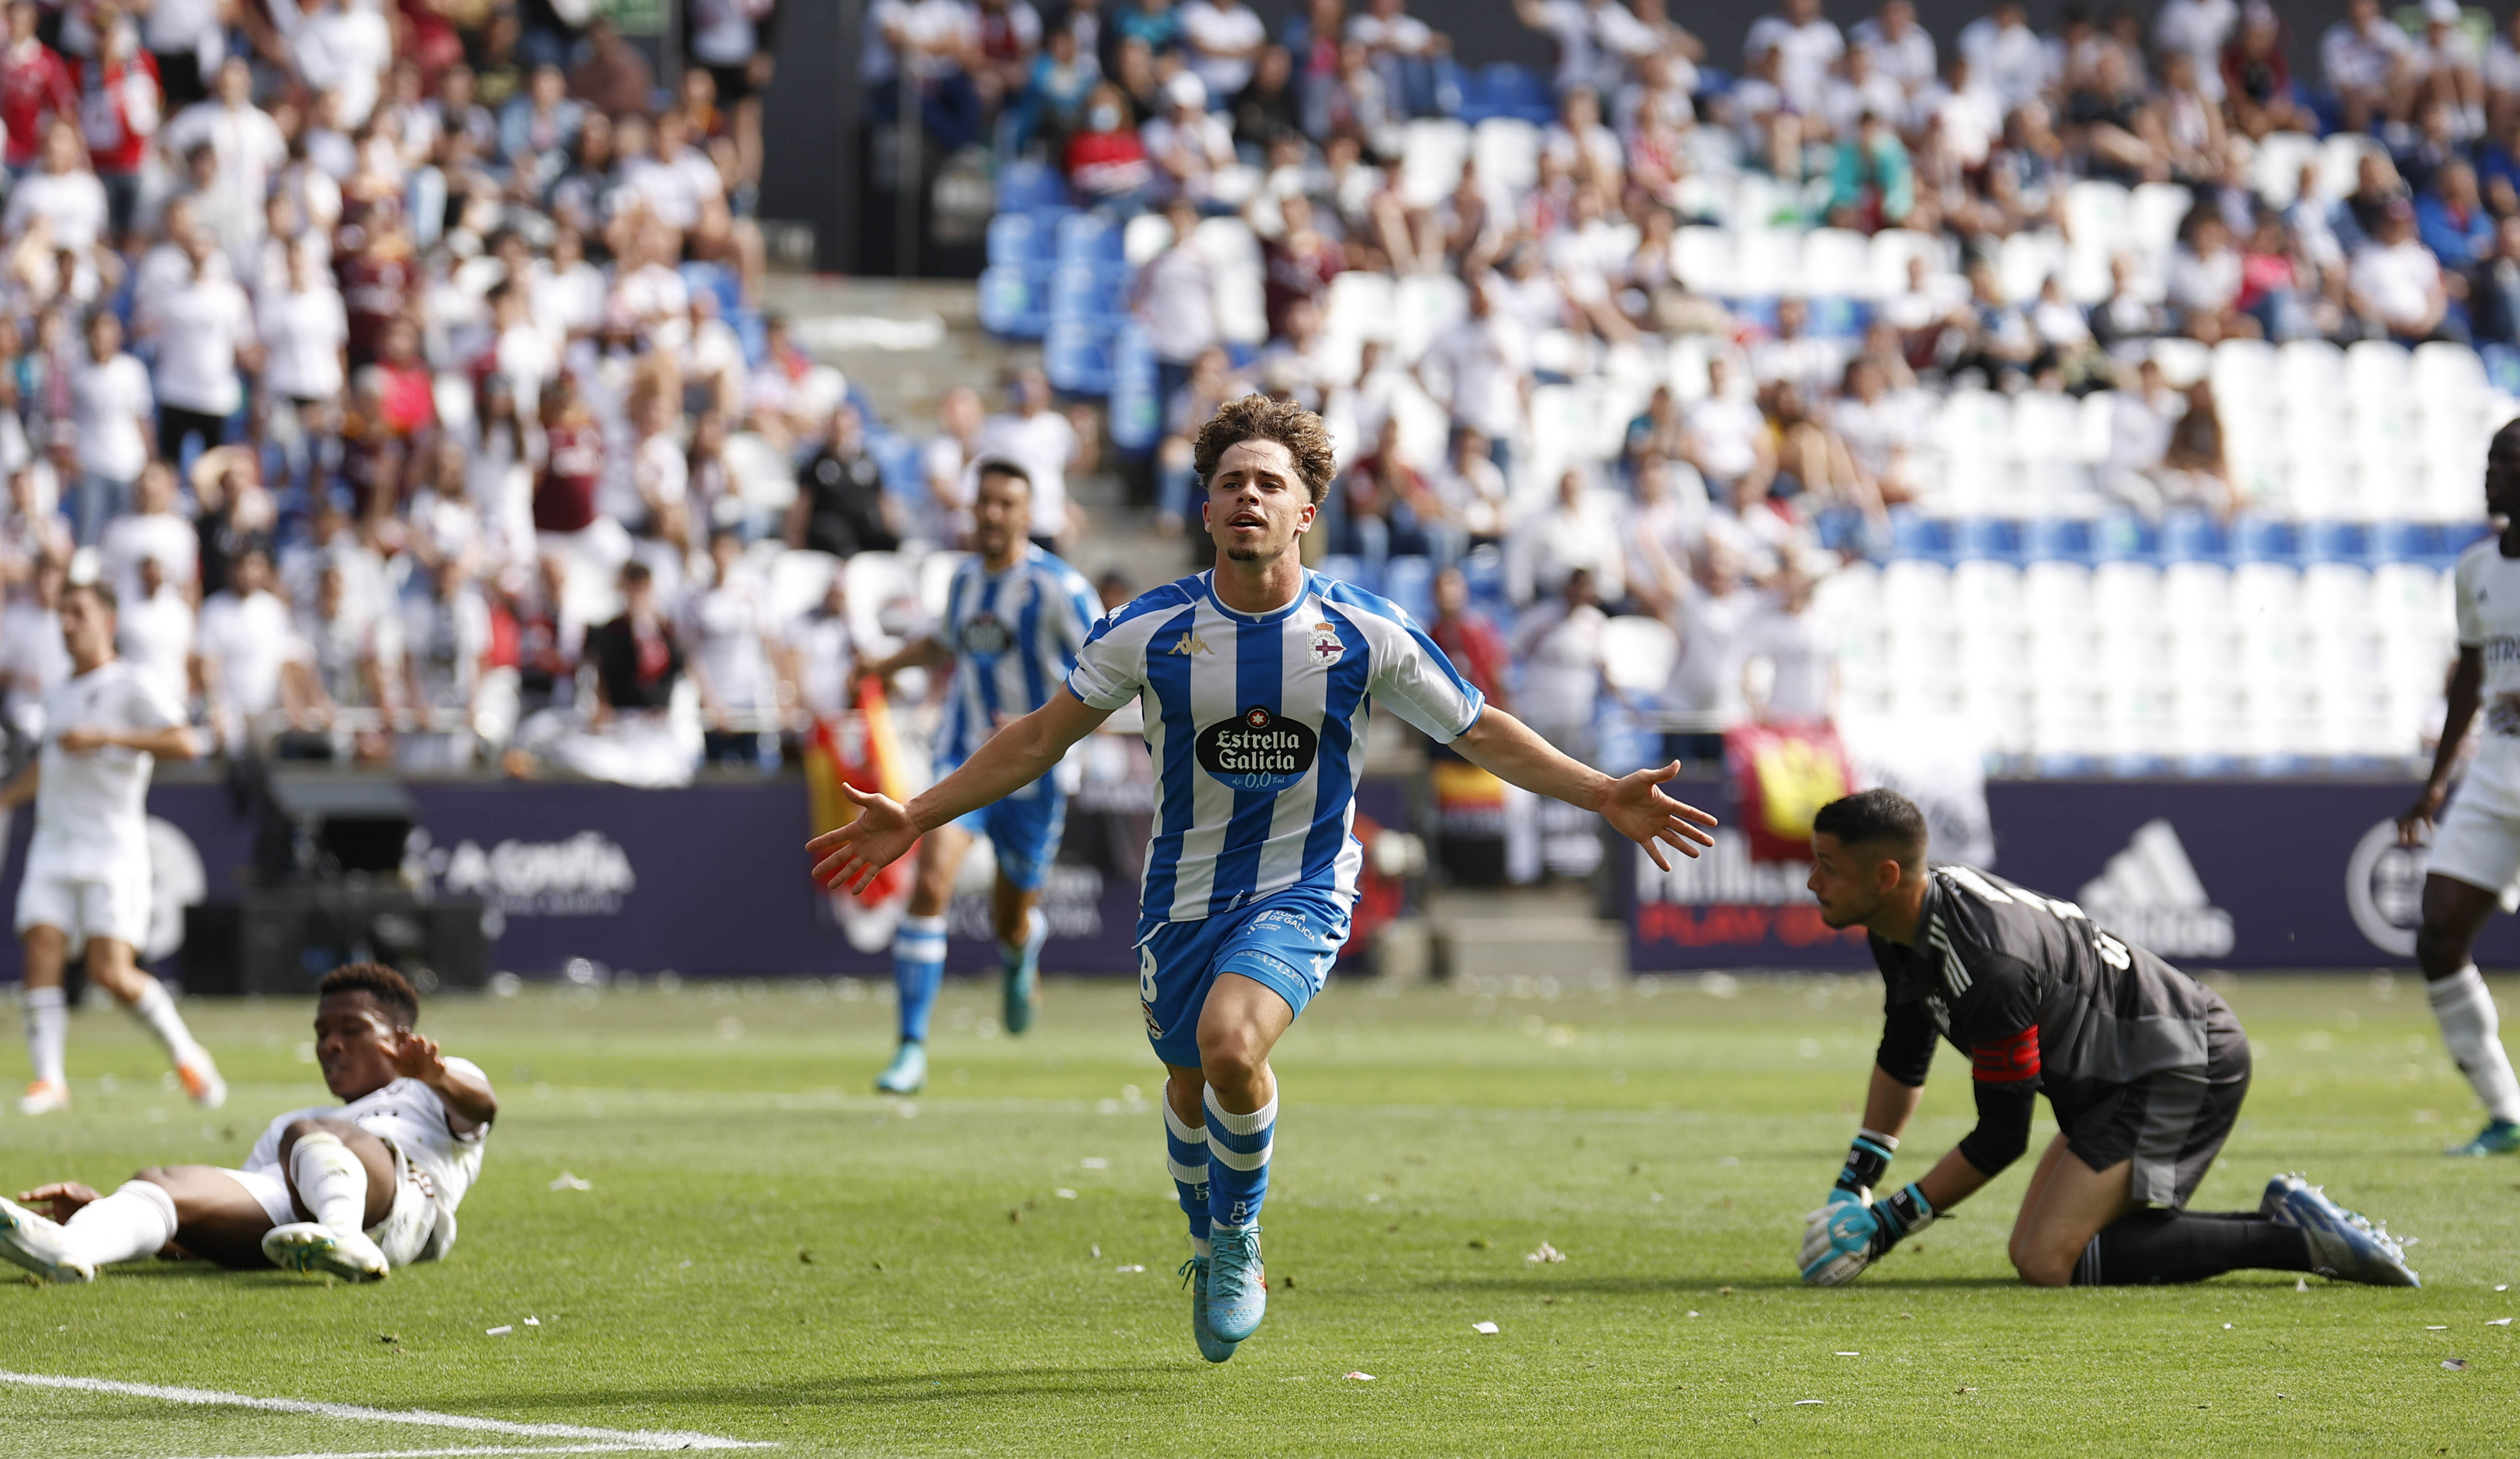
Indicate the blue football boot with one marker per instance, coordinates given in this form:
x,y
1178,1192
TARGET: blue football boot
x,y
2500,1137
2343,1244
1215,1350
907,1073
1238,1286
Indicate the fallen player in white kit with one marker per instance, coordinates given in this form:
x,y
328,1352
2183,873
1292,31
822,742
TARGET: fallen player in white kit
x,y
355,1189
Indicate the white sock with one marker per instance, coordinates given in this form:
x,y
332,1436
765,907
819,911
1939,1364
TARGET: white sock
x,y
134,1221
2473,1030
331,1183
154,1008
47,1021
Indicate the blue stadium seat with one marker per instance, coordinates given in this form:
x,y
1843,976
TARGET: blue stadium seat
x,y
717,280
1483,570
898,455
2123,537
1030,187
1511,90
2263,539
1985,539
2057,540
2502,368
754,334
1136,416
1410,581
1347,568
2406,542
2336,542
1914,534
2194,537
1017,239
1086,238
1077,358
1012,301
1839,318
1094,293
2456,537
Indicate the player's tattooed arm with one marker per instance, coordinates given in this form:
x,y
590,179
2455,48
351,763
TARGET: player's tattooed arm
x,y
467,1096
2415,827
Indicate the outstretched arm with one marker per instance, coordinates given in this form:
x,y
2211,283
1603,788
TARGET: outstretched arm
x,y
1014,758
1635,804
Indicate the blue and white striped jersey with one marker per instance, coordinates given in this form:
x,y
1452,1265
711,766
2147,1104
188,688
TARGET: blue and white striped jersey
x,y
1254,726
1015,637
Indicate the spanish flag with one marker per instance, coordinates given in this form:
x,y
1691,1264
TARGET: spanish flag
x,y
861,749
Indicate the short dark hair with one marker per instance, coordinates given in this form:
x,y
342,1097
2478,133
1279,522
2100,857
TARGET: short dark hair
x,y
1877,817
1000,466
95,587
1259,418
392,990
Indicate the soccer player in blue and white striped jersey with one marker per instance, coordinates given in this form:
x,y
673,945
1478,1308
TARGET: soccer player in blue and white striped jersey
x,y
1014,619
1254,677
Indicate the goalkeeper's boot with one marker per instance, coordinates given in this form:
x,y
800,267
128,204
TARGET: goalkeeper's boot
x,y
35,1242
201,1083
1023,974
1212,1348
44,1097
2343,1244
907,1073
1238,1285
303,1245
2500,1137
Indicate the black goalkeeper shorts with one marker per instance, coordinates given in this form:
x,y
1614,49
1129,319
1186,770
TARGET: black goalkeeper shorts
x,y
2170,1124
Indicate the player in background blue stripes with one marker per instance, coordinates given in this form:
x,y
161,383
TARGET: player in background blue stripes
x,y
1254,678
1014,619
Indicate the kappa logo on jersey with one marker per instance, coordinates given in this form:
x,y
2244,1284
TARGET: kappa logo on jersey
x,y
1326,647
2151,894
985,636
1257,751
1190,643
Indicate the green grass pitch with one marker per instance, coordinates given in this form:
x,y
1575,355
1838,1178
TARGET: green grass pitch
x,y
767,1253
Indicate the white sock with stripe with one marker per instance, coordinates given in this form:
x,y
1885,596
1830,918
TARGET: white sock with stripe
x,y
1237,1161
1185,1156
47,1021
2473,1029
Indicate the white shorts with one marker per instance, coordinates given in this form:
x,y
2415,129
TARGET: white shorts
x,y
2478,844
115,906
404,1235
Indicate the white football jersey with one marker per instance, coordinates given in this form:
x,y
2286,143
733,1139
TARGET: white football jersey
x,y
91,809
2488,622
409,1116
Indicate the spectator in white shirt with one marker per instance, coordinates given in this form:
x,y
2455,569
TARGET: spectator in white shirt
x,y
342,48
822,654
727,631
2003,49
64,199
154,632
204,331
2197,29
252,663
305,334
2362,56
1901,49
1558,645
109,405
1482,373
1189,144
151,528
1046,445
1711,612
1578,529
1584,30
1807,46
1727,440
445,637
244,139
1176,301
1225,39
2396,283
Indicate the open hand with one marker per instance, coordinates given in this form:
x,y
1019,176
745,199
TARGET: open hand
x,y
414,1057
2415,827
61,1200
1638,810
850,856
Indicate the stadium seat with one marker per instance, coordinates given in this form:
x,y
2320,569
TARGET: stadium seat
x,y
1347,568
1518,91
1767,262
1702,258
1146,235
1506,150
1425,305
1838,263
1638,653
2189,536
1030,187
1892,247
2266,539
1916,537
1410,582
1090,238
1077,358
936,580
883,597
2275,172
1017,239
1136,416
1361,304
2057,540
1430,160
798,579
2340,159
2027,261
2340,542
1090,294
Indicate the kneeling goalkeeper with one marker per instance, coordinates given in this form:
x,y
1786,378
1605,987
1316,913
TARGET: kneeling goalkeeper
x,y
2144,1065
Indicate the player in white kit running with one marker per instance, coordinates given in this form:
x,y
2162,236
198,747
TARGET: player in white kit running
x,y
2476,847
355,1189
86,882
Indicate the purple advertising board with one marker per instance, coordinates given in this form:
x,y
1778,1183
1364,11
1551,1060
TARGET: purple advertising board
x,y
2209,874
709,881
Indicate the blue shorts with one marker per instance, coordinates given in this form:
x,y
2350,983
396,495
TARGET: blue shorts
x,y
1287,943
1023,830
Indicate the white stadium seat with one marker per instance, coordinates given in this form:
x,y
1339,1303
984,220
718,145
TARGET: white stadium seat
x,y
1506,150
1638,654
2276,170
1431,155
1838,264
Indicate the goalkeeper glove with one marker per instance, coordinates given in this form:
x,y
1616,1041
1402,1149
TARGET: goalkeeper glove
x,y
1867,1160
1844,1237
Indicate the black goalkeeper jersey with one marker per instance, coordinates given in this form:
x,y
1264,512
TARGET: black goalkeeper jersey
x,y
2039,998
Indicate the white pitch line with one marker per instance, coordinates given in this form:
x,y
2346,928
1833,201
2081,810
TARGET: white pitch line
x,y
573,1448
624,1438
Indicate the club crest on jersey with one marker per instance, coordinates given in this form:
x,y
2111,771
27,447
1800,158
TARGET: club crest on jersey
x,y
986,635
1257,749
1190,643
1326,647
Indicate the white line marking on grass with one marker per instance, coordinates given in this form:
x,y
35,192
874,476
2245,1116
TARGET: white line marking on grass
x,y
572,1449
622,1438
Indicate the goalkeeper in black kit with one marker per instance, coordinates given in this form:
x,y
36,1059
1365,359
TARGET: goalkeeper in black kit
x,y
2144,1065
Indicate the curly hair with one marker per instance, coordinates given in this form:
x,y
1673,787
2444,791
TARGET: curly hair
x,y
392,991
1259,418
